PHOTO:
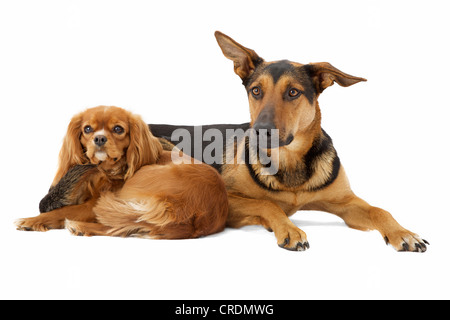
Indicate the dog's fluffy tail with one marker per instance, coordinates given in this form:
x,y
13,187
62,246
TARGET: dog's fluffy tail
x,y
167,202
153,217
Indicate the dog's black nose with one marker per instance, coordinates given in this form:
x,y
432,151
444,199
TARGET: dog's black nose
x,y
100,140
267,134
267,125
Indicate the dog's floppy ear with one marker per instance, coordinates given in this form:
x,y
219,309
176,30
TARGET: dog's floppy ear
x,y
144,148
245,60
324,75
71,152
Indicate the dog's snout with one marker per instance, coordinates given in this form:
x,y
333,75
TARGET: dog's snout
x,y
265,120
100,140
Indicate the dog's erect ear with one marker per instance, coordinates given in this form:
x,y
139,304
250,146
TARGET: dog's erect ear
x,y
245,60
324,75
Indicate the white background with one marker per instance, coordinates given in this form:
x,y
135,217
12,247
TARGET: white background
x,y
160,59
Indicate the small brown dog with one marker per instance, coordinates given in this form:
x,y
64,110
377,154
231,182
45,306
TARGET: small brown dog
x,y
126,185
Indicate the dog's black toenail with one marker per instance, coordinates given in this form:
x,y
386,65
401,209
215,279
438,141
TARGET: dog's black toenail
x,y
405,246
423,247
285,243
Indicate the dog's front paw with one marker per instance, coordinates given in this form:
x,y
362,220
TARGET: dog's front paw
x,y
42,223
31,224
404,240
291,238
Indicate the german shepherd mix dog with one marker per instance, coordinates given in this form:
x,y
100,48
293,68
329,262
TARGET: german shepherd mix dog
x,y
283,95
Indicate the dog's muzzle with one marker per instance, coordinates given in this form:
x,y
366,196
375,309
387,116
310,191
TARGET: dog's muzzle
x,y
266,130
268,135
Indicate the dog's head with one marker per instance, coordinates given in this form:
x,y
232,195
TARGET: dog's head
x,y
110,137
282,94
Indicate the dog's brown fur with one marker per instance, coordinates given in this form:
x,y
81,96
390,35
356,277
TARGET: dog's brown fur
x,y
284,95
122,183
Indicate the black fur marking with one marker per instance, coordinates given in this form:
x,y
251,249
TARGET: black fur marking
x,y
316,151
307,83
319,147
57,196
252,171
165,131
277,69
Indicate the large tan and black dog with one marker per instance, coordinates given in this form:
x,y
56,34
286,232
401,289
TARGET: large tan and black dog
x,y
283,95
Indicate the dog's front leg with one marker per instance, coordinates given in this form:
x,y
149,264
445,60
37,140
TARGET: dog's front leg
x,y
245,211
55,219
358,214
339,199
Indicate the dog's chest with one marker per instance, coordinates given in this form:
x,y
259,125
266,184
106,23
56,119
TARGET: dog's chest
x,y
237,181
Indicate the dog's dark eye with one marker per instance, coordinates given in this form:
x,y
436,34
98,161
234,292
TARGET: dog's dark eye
x,y
293,93
256,91
88,129
118,129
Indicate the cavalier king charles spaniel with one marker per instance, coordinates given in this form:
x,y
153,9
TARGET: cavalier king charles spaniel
x,y
126,185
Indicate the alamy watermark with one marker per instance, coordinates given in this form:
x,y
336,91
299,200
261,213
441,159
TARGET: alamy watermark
x,y
236,146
